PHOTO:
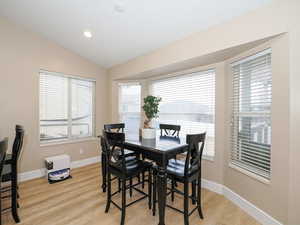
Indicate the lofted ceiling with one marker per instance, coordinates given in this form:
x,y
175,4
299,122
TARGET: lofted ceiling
x,y
121,29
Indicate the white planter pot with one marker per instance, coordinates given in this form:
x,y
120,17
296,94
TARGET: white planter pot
x,y
148,133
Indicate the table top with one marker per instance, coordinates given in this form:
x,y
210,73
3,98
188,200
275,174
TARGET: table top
x,y
161,144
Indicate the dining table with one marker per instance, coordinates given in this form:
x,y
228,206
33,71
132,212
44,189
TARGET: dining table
x,y
160,150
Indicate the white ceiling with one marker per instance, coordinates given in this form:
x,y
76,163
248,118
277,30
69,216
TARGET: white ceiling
x,y
141,26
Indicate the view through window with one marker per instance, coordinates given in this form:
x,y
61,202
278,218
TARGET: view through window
x,y
66,107
251,114
130,107
189,101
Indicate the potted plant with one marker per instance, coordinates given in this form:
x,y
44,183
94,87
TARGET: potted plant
x,y
151,110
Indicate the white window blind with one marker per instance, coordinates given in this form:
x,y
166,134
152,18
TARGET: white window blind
x,y
66,107
251,114
189,101
130,107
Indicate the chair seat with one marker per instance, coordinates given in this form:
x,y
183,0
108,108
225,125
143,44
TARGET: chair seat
x,y
176,168
128,152
176,162
133,168
8,158
6,173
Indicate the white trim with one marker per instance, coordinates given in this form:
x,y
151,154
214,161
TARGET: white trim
x,y
68,141
182,74
208,158
34,174
249,174
256,55
85,162
250,208
261,216
66,75
212,186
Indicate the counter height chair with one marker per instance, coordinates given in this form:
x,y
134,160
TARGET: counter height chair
x,y
117,128
124,170
169,130
3,148
187,171
10,172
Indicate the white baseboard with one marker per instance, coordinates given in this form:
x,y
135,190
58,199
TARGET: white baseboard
x,y
247,206
42,172
212,186
32,174
250,208
85,162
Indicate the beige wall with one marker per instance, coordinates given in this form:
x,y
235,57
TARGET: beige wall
x,y
22,55
264,195
280,198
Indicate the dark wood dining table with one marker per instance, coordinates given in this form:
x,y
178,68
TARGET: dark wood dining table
x,y
159,150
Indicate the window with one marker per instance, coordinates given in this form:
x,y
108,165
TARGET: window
x,y
130,107
189,101
251,114
66,107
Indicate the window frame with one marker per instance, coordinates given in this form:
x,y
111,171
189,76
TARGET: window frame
x,y
191,73
246,169
70,138
129,83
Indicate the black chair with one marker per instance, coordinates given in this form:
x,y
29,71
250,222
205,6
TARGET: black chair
x,y
3,148
169,130
187,172
118,166
104,163
10,172
115,127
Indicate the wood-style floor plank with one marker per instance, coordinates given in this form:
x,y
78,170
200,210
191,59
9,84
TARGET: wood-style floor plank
x,y
80,201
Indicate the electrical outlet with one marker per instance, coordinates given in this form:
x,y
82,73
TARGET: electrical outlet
x,y
81,151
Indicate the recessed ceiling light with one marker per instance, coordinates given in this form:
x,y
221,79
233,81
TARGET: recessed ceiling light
x,y
87,34
119,6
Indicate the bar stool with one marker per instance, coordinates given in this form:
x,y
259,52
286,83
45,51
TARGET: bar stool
x,y
187,172
3,149
10,172
124,170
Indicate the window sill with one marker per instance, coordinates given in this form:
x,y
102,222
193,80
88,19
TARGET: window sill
x,y
250,174
208,158
52,143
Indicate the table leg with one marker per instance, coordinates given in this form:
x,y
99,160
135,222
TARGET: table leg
x,y
104,172
161,191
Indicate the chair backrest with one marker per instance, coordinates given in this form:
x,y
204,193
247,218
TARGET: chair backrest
x,y
18,144
3,149
103,144
114,146
169,130
196,144
114,127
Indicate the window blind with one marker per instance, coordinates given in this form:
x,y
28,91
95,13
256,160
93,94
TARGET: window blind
x,y
189,101
66,107
251,114
130,107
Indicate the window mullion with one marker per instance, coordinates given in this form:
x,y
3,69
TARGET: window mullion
x,y
69,108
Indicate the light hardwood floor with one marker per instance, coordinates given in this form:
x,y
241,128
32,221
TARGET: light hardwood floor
x,y
79,201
